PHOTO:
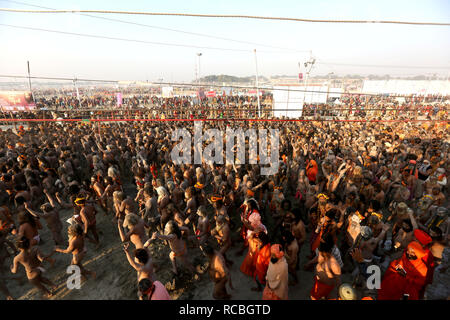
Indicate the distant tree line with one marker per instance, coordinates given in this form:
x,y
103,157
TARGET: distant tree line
x,y
230,79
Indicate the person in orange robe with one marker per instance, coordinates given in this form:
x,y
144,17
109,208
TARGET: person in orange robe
x,y
249,208
407,275
255,226
248,265
425,240
311,170
262,261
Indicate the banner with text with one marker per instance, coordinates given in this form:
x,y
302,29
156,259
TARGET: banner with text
x,y
16,101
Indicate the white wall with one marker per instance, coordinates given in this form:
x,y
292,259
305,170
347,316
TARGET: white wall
x,y
291,98
419,87
167,92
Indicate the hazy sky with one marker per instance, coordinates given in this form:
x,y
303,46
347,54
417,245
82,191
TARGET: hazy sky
x,y
60,55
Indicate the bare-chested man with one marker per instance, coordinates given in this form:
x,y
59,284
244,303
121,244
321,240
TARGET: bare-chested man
x,y
328,272
203,228
28,228
6,221
177,245
219,273
219,208
136,230
51,215
150,214
291,253
128,205
118,197
31,258
223,236
88,220
162,202
298,230
77,249
369,243
191,205
142,263
99,189
403,237
438,196
3,255
177,197
107,197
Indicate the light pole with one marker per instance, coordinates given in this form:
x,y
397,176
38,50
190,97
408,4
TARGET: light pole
x,y
160,86
309,63
446,81
29,80
76,88
299,71
257,87
198,67
328,91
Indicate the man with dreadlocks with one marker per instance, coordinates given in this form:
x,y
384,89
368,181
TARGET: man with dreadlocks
x,y
87,219
250,208
222,233
50,214
177,245
77,248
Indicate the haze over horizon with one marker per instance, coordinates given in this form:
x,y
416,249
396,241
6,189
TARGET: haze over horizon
x,y
58,55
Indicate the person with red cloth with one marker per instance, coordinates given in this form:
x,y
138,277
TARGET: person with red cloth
x,y
425,240
254,226
311,170
250,207
262,261
328,272
405,276
154,171
277,275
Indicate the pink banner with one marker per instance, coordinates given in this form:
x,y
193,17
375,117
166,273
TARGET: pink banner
x,y
16,101
119,99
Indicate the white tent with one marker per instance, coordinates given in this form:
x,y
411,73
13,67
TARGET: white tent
x,y
418,87
290,99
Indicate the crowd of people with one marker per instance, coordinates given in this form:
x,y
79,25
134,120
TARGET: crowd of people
x,y
139,105
354,196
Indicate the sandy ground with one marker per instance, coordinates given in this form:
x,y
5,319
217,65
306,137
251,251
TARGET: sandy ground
x,y
117,280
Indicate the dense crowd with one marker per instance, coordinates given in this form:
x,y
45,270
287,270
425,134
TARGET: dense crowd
x,y
354,196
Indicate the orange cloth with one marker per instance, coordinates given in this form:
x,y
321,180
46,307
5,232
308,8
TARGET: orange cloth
x,y
262,263
248,266
316,241
311,170
244,228
269,294
394,285
422,237
320,290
